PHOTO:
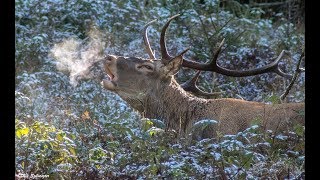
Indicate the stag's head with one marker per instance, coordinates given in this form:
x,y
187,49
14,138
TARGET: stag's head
x,y
133,75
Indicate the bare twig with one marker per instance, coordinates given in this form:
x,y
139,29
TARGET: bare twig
x,y
269,4
294,78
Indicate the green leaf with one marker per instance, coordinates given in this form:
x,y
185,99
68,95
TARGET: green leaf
x,y
274,99
20,124
60,136
36,126
22,132
157,123
202,124
146,124
299,129
153,131
256,121
72,151
97,154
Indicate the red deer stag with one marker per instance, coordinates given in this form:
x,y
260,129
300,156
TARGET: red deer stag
x,y
149,86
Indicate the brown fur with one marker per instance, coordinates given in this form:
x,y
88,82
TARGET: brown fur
x,y
157,95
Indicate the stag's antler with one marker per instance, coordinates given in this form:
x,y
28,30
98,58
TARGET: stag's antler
x,y
191,86
164,53
212,65
146,40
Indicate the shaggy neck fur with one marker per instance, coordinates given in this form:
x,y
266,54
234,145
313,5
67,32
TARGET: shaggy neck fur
x,y
177,108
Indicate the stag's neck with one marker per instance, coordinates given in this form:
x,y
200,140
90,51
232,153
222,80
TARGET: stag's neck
x,y
173,105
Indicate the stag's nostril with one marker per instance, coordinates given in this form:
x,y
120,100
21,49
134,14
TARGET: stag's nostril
x,y
110,58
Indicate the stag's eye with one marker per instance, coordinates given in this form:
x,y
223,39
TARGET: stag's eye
x,y
148,67
145,66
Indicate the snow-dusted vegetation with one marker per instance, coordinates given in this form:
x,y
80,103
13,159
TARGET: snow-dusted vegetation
x,y
69,127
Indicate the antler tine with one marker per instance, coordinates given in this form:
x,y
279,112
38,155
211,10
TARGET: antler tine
x,y
191,83
216,54
146,40
275,66
164,53
191,86
213,66
183,52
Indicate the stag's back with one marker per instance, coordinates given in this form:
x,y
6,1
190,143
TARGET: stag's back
x,y
234,115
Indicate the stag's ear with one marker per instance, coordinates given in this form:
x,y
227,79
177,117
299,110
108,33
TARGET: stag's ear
x,y
173,66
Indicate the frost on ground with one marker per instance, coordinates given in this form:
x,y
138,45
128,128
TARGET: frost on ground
x,y
76,56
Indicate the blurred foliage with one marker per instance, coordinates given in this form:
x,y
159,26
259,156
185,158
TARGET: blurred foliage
x,y
151,152
85,132
43,148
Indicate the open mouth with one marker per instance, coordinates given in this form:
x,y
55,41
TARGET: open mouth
x,y
110,74
109,82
